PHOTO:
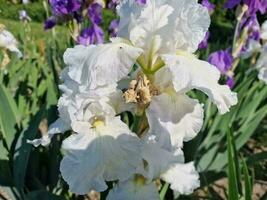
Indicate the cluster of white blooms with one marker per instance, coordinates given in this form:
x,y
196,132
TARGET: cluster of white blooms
x,y
147,70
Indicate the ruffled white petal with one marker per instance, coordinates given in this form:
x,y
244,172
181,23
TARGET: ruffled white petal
x,y
264,31
153,154
187,25
189,73
183,178
131,190
110,152
164,26
102,65
174,118
143,24
263,74
83,166
261,65
7,40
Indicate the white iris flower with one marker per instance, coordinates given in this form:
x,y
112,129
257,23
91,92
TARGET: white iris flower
x,y
160,38
169,32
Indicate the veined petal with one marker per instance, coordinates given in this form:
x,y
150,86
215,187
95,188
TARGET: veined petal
x,y
132,190
183,178
83,166
189,73
101,65
152,153
144,22
174,118
187,25
164,26
107,153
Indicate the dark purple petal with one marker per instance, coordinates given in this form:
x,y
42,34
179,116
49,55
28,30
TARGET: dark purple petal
x,y
95,13
91,35
64,7
208,5
222,60
263,7
204,43
113,28
50,23
253,5
250,22
230,82
232,3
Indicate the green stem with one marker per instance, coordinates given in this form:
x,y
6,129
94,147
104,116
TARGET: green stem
x,y
137,123
164,191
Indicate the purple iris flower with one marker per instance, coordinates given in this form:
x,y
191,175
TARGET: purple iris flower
x,y
204,43
64,7
230,82
91,35
222,60
232,3
253,5
251,23
94,33
113,28
95,13
50,23
208,5
256,5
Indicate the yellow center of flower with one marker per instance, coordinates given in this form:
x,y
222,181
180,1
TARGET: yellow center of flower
x,y
139,180
98,122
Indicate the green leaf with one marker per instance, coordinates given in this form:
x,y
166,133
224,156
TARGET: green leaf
x,y
232,184
3,152
248,186
164,191
23,149
236,162
9,115
5,174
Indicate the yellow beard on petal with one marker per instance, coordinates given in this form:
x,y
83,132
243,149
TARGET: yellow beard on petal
x,y
139,180
98,123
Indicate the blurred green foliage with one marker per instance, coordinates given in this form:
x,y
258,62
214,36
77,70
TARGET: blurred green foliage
x,y
10,10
